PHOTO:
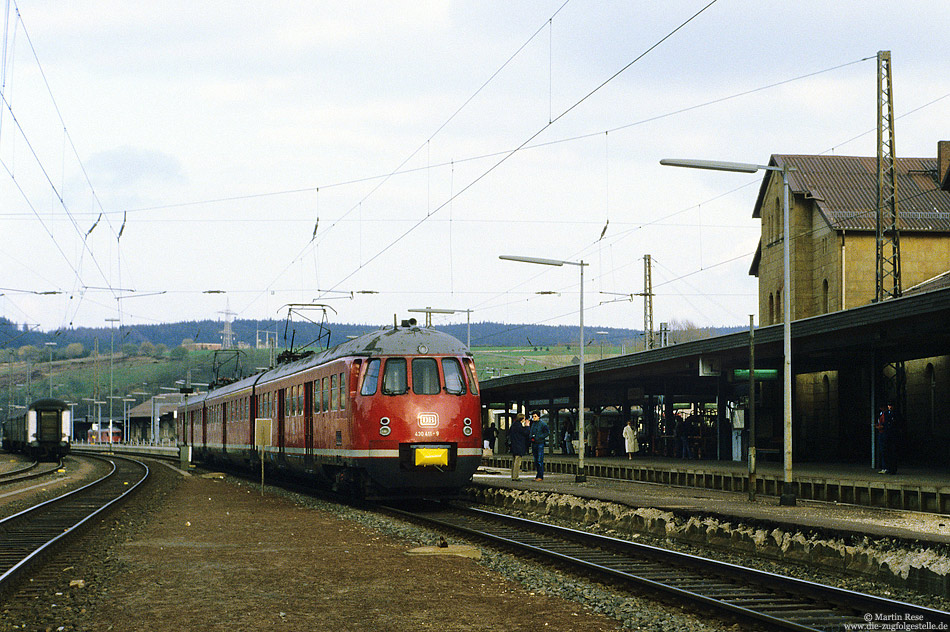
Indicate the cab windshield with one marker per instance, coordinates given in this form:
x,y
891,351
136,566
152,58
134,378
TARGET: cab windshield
x,y
395,379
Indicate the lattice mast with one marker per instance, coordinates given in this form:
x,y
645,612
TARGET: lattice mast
x,y
888,259
227,334
648,302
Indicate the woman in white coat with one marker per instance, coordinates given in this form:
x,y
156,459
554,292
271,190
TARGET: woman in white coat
x,y
630,440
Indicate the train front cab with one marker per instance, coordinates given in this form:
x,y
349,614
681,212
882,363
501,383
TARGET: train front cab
x,y
419,418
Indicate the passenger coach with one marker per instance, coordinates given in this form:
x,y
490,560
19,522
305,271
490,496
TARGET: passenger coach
x,y
393,412
43,432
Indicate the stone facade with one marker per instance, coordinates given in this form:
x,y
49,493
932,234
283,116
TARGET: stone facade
x,y
833,264
832,269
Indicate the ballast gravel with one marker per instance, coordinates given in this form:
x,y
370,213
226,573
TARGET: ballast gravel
x,y
213,554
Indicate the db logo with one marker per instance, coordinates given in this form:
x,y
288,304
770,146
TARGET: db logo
x,y
428,420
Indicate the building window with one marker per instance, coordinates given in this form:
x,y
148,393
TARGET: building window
x,y
824,296
771,309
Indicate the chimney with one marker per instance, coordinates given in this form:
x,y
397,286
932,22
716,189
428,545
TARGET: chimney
x,y
943,164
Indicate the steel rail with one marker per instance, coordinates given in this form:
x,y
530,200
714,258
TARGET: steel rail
x,y
25,474
28,535
19,470
778,601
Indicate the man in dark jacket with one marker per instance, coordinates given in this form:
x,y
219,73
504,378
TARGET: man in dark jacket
x,y
518,438
539,436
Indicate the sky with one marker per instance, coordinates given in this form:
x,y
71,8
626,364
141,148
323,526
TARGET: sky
x,y
172,161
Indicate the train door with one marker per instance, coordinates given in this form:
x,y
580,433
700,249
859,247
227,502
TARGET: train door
x,y
352,384
204,427
252,421
225,406
308,424
281,400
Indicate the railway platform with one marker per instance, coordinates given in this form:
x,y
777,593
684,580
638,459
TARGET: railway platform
x,y
831,498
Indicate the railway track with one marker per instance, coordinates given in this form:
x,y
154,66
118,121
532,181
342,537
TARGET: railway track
x,y
777,601
26,472
28,536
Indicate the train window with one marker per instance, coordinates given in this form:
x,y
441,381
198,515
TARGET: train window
x,y
425,376
371,379
334,393
394,377
344,392
472,381
325,405
452,370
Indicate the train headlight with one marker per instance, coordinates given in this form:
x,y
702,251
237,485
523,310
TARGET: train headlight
x,y
384,428
467,431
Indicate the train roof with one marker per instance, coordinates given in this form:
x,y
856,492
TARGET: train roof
x,y
388,341
49,402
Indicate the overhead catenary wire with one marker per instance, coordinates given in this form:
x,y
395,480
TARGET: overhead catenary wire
x,y
618,225
315,242
530,138
57,192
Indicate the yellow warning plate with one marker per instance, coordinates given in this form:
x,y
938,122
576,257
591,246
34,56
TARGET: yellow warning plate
x,y
432,456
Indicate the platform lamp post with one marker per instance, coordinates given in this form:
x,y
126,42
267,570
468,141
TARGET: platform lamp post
x,y
788,492
98,404
157,410
428,311
111,322
581,475
125,417
128,420
50,346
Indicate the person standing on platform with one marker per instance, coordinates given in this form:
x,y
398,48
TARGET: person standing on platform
x,y
489,437
630,440
539,436
681,436
888,433
568,441
518,438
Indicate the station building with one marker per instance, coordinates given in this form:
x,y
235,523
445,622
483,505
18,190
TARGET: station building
x,y
843,342
832,223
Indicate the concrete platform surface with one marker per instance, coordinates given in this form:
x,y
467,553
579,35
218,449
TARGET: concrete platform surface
x,y
615,480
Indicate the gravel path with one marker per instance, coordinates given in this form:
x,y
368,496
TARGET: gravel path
x,y
212,554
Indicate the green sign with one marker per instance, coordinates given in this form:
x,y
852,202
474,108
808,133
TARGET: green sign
x,y
760,374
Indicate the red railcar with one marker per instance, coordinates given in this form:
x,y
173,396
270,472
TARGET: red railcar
x,y
104,435
392,412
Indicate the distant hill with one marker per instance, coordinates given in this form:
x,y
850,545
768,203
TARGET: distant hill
x,y
307,334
